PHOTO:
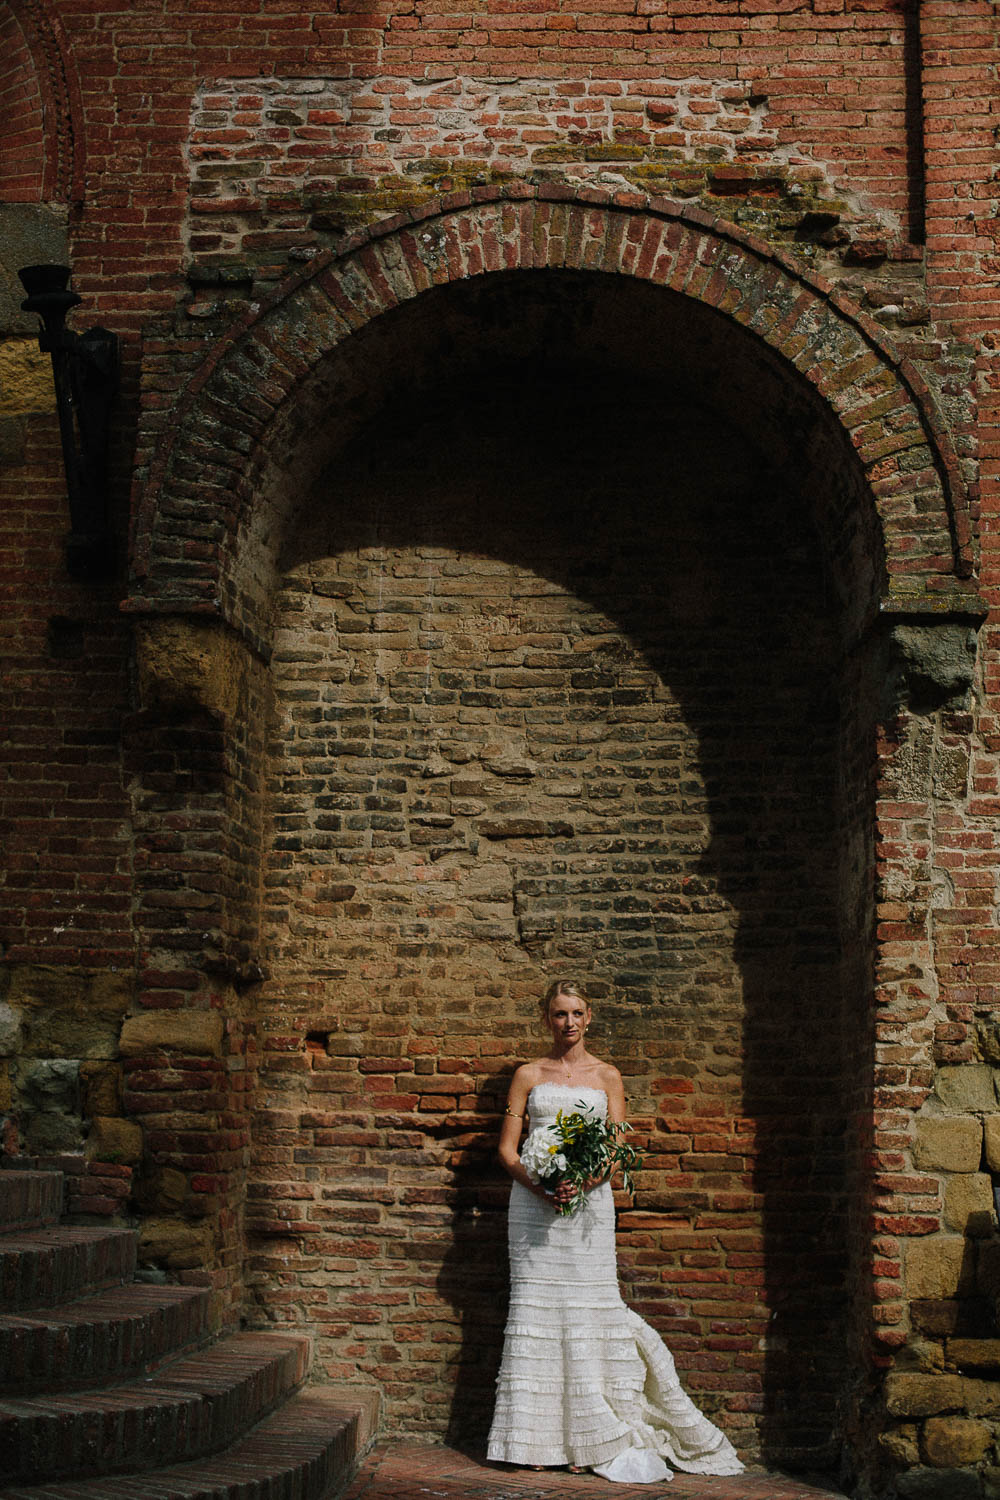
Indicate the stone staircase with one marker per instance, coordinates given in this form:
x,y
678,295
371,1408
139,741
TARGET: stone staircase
x,y
112,1388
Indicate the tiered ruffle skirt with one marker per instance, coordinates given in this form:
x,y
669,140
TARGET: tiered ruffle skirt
x,y
583,1379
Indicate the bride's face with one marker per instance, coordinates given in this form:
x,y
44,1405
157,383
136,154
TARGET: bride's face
x,y
569,1017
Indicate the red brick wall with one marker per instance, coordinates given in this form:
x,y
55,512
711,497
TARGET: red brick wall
x,y
67,849
832,91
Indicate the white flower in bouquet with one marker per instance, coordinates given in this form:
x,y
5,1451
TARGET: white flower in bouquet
x,y
541,1156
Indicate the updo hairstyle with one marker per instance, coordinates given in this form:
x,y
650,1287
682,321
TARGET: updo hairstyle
x,y
572,987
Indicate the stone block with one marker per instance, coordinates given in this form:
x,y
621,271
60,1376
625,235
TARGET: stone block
x,y
185,666
72,1033
114,1139
916,1395
939,1484
900,1445
47,985
51,1084
25,378
936,1318
974,1354
174,1244
41,984
981,1398
31,234
52,1133
100,1084
110,992
47,1092
968,1204
948,1143
950,1442
991,1126
908,775
939,1266
10,1030
926,1355
507,762
70,1012
198,1032
163,1192
967,1088
951,772
935,663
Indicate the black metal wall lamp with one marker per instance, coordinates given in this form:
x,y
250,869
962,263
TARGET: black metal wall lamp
x,y
85,372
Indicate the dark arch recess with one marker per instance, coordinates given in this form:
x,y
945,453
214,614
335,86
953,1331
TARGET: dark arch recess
x,y
205,474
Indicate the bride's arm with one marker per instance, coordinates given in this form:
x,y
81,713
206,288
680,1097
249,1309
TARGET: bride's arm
x,y
615,1090
510,1134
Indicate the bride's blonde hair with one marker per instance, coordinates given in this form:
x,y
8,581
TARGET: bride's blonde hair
x,y
562,987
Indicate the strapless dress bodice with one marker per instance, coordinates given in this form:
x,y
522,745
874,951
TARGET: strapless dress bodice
x,y
546,1100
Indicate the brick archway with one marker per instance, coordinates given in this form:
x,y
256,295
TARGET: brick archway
x,y
212,495
208,464
41,85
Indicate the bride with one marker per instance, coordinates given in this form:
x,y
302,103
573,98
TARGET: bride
x,y
583,1381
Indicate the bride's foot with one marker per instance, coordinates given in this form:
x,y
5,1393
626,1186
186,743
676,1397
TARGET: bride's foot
x,y
576,1468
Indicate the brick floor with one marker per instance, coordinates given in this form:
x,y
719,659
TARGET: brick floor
x,y
416,1471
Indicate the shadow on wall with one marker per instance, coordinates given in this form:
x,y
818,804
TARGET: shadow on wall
x,y
473,1276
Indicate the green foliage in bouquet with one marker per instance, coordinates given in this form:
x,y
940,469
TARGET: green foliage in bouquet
x,y
580,1148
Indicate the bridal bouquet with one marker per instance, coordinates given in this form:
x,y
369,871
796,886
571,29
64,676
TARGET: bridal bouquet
x,y
576,1149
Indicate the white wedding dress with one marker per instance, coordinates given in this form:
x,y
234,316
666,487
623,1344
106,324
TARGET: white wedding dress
x,y
583,1379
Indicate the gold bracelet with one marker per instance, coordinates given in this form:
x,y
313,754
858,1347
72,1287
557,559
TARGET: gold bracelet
x,y
518,1114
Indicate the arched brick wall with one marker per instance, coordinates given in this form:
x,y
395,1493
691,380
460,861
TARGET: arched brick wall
x,y
20,96
209,462
40,95
268,829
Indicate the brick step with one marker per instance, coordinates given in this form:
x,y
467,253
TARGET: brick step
x,y
29,1200
42,1267
99,1338
190,1408
306,1451
89,1187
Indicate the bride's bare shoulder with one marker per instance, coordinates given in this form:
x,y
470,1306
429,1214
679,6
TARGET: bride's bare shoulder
x,y
610,1077
528,1074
